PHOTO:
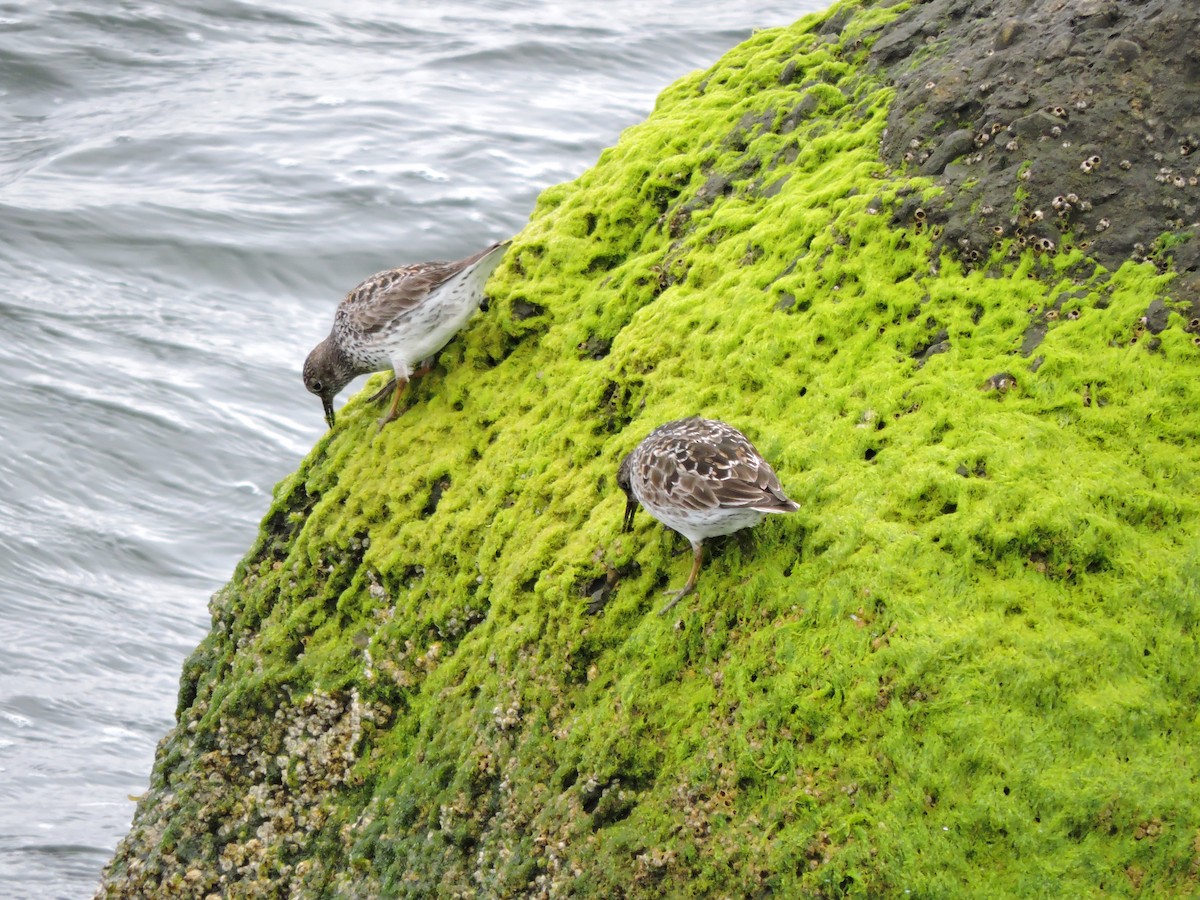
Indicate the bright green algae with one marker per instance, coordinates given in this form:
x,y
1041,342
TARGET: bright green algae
x,y
966,665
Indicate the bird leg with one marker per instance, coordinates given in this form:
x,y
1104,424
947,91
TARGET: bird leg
x,y
383,391
393,411
426,366
697,558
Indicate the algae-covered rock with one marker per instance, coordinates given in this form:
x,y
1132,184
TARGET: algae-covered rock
x,y
967,665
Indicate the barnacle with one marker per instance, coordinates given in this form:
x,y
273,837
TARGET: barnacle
x,y
1001,381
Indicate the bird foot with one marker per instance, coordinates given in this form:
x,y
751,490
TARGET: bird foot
x,y
677,596
383,391
391,416
394,410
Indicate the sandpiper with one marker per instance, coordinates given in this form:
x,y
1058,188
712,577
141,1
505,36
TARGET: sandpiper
x,y
394,320
702,478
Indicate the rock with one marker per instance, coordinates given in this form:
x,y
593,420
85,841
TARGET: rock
x,y
1122,50
953,146
1036,124
1157,316
1009,31
1125,95
438,672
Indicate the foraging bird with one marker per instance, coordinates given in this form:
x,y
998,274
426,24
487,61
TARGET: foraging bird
x,y
702,478
396,319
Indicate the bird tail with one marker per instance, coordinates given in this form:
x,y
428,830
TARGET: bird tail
x,y
779,502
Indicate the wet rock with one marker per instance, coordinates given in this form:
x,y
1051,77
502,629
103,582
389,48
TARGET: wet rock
x,y
939,343
955,145
834,24
1156,316
522,310
1001,381
775,186
1063,83
1096,13
1122,50
1035,124
1009,31
1059,46
1032,338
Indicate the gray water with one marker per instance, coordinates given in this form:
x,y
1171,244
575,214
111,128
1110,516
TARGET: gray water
x,y
186,190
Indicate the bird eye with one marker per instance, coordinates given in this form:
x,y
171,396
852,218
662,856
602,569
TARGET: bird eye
x,y
318,387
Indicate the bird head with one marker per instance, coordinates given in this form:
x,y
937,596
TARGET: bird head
x,y
326,373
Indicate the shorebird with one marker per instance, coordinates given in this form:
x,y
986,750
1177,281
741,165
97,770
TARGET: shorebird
x,y
702,478
395,320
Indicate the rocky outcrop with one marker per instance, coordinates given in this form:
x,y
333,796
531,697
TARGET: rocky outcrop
x,y
1052,125
969,659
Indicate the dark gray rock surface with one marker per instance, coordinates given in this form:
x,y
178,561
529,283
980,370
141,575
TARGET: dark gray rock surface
x,y
1083,117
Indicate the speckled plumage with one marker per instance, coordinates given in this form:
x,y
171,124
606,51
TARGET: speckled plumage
x,y
702,478
394,320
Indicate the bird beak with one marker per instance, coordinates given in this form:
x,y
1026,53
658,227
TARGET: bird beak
x,y
630,508
329,417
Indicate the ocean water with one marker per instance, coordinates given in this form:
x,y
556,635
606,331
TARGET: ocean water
x,y
186,190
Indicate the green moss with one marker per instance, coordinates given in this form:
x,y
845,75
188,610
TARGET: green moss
x,y
970,654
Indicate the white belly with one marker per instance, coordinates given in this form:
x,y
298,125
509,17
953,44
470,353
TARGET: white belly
x,y
442,315
696,525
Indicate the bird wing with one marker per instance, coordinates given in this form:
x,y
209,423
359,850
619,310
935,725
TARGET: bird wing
x,y
744,479
764,494
376,303
381,299
669,474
